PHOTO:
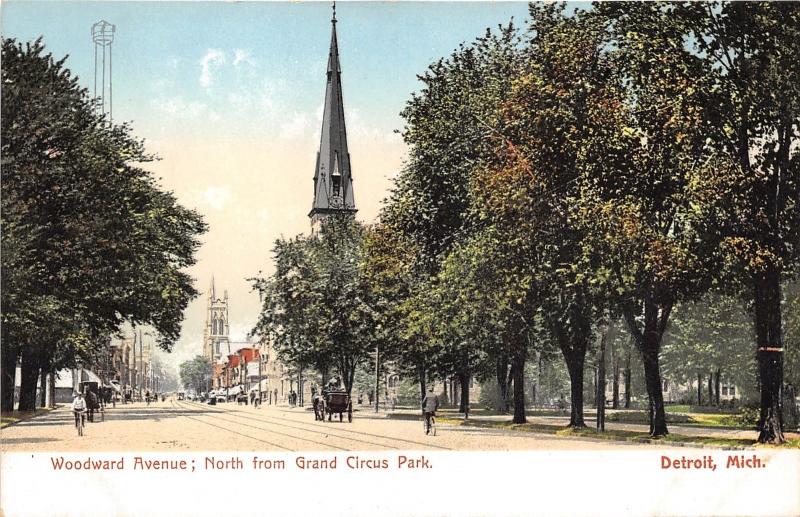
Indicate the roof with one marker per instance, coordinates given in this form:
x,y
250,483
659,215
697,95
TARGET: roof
x,y
333,181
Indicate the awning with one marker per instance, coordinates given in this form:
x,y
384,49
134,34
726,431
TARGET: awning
x,y
90,376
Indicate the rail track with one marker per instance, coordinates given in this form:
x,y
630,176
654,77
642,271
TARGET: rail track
x,y
289,427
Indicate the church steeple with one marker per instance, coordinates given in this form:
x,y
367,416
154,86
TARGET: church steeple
x,y
333,182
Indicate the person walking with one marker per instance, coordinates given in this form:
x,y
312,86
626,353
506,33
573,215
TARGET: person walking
x,y
91,403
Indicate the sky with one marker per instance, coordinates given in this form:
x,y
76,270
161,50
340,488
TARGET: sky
x,y
229,95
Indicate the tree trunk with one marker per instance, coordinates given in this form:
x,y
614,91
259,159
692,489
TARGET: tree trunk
x,y
615,376
519,385
8,369
51,388
463,407
501,372
716,386
699,389
422,387
601,382
710,389
769,342
43,386
575,361
29,376
652,376
627,375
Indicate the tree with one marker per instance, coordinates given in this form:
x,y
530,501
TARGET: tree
x,y
527,193
749,54
316,304
638,205
89,240
709,337
196,373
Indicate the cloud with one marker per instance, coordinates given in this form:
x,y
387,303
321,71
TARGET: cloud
x,y
242,56
217,197
297,126
212,60
178,107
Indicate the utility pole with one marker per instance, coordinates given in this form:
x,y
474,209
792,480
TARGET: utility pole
x,y
259,377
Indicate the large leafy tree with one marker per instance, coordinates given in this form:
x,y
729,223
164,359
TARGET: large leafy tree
x,y
317,307
448,123
638,204
89,239
750,53
526,196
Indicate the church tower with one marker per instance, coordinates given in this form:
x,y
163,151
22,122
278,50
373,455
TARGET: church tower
x,y
333,182
216,344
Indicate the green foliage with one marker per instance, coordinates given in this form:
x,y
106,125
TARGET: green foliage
x,y
710,334
89,239
196,373
317,306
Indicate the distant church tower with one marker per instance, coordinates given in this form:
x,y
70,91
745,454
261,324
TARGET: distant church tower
x,y
216,344
333,181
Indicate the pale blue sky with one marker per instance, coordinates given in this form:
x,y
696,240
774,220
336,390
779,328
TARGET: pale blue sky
x,y
267,57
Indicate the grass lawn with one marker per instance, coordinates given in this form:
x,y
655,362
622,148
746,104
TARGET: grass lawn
x,y
617,435
11,418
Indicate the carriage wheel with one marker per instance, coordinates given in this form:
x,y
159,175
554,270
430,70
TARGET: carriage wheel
x,y
340,416
350,413
330,415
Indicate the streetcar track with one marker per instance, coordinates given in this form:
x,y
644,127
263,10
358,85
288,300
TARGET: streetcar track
x,y
237,432
273,431
265,419
304,429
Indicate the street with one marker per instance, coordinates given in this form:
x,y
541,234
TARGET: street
x,y
175,426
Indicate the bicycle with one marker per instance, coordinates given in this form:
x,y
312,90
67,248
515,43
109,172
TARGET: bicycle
x,y
79,420
429,423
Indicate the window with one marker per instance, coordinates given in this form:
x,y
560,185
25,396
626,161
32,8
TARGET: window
x,y
724,391
732,391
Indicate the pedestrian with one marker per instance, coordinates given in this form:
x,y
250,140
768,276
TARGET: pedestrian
x,y
276,396
91,403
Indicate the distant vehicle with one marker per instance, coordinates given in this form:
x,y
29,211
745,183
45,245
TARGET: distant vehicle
x,y
181,395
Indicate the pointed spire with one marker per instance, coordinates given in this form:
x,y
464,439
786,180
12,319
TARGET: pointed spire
x,y
212,292
333,182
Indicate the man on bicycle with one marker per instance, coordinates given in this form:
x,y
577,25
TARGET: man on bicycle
x,y
429,406
79,408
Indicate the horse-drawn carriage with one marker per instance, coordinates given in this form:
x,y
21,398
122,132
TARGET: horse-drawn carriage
x,y
331,402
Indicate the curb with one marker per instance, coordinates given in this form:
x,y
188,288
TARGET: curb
x,y
37,413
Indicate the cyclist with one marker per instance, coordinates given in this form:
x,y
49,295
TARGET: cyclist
x,y
79,408
429,406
